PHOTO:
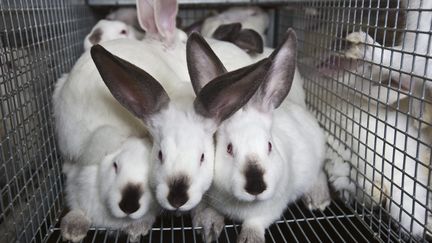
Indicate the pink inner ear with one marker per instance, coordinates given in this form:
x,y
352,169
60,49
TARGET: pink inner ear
x,y
146,16
165,17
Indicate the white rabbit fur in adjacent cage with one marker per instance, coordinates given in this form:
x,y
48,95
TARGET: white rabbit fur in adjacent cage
x,y
379,150
391,149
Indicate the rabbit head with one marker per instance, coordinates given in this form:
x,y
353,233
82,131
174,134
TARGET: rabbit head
x,y
182,129
247,162
123,179
106,30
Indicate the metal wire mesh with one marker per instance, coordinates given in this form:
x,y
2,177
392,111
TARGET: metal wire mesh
x,y
39,41
369,122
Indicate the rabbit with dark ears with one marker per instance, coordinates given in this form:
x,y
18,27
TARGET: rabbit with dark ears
x,y
111,191
182,129
268,154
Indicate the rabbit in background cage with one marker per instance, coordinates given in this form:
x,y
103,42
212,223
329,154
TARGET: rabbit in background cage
x,y
112,191
127,15
106,30
243,26
268,154
405,65
389,148
387,151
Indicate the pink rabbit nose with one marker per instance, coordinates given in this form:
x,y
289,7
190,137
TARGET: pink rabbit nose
x,y
130,198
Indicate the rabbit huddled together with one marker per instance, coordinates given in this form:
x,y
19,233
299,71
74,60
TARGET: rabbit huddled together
x,y
153,123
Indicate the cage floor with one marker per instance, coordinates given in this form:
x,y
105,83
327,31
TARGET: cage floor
x,y
338,223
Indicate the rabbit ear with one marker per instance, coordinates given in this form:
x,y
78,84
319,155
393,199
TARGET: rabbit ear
x,y
277,83
226,94
165,17
249,40
203,64
158,17
146,16
227,32
134,88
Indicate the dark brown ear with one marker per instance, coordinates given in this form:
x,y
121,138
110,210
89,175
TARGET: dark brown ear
x,y
249,40
202,62
280,75
226,94
134,88
227,32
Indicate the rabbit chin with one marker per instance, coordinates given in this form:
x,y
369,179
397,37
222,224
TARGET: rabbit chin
x,y
241,195
118,213
162,199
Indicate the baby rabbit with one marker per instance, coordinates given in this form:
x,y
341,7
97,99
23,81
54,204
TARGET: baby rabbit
x,y
106,30
268,154
112,191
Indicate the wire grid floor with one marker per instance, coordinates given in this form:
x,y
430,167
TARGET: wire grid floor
x,y
51,33
336,224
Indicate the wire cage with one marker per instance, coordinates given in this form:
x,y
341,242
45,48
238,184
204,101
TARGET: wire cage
x,y
375,113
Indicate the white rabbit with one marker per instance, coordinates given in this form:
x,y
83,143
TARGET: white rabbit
x,y
388,161
181,125
249,17
390,149
111,191
127,15
106,30
268,154
406,64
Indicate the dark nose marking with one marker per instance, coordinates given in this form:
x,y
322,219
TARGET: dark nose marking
x,y
254,179
130,198
178,188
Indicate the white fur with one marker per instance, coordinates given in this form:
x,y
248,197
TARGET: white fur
x,y
111,30
291,169
400,57
381,168
379,135
250,17
96,189
127,15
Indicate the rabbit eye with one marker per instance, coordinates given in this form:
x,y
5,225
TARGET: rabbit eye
x,y
269,147
115,166
123,32
160,156
230,149
202,158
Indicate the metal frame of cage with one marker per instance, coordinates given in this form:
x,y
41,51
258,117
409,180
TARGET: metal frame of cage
x,y
42,39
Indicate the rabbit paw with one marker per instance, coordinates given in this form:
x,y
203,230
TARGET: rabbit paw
x,y
74,226
357,48
140,228
250,235
338,171
318,197
211,222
